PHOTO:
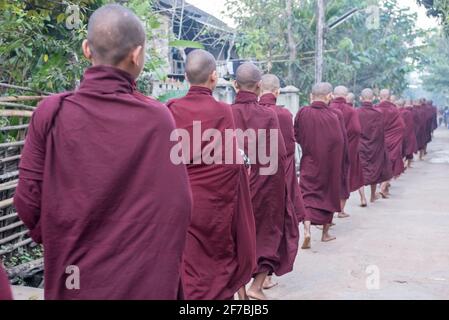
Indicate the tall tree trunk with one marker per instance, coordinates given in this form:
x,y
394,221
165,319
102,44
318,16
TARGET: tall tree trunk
x,y
291,41
319,58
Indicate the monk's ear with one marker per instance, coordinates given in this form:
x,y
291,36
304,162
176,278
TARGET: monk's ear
x,y
236,85
86,50
138,56
214,76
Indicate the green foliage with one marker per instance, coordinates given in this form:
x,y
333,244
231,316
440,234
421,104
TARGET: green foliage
x,y
355,56
36,48
436,66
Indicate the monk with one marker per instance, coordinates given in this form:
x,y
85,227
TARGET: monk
x,y
394,135
220,253
319,131
409,144
353,132
419,117
373,152
97,186
277,233
350,99
271,89
5,288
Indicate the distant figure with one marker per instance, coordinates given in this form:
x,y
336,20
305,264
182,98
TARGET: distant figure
x,y
321,135
350,99
353,131
446,117
220,254
394,135
409,145
5,287
277,233
271,88
374,158
97,186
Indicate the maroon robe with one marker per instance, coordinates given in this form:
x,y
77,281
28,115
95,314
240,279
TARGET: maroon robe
x,y
394,135
423,134
220,253
373,152
288,133
419,127
98,188
5,287
319,131
277,231
410,144
353,131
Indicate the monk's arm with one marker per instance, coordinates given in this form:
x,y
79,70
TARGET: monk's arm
x,y
27,198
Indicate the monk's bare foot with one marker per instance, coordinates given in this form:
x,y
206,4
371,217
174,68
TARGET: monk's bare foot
x,y
364,204
242,294
375,198
256,294
307,242
384,195
343,215
269,283
328,238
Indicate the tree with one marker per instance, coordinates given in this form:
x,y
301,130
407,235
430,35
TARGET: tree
x,y
355,55
40,42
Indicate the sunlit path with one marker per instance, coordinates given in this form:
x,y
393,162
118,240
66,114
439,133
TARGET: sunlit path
x,y
406,237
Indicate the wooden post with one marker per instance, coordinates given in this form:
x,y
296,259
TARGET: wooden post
x,y
320,26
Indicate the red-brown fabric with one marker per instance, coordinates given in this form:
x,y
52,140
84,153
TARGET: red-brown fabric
x,y
288,133
98,189
353,131
409,144
319,131
394,135
220,253
418,118
277,231
5,287
373,152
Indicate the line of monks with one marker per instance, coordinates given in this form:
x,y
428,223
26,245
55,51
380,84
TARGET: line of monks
x,y
119,220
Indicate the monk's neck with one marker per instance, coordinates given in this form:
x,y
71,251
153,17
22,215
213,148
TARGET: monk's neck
x,y
246,97
367,104
107,79
202,90
319,104
268,98
339,100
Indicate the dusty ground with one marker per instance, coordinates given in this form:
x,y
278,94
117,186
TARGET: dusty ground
x,y
405,238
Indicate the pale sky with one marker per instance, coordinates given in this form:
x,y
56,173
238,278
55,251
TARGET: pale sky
x,y
216,7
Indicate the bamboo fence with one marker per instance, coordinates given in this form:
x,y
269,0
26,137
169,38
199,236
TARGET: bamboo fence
x,y
16,109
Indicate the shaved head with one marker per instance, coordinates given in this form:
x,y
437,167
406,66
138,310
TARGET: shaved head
x,y
350,98
113,33
200,65
384,94
321,90
248,76
367,94
341,92
400,103
270,83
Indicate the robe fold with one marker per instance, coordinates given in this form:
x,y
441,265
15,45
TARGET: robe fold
x,y
409,144
5,287
374,158
394,135
353,131
318,129
288,133
277,230
220,253
98,188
